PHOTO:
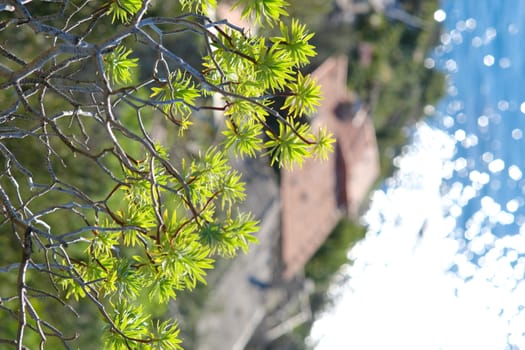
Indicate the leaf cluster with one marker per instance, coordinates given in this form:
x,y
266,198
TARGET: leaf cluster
x,y
123,10
143,251
270,69
89,94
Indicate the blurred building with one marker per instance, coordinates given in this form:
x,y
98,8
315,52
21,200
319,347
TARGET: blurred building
x,y
317,195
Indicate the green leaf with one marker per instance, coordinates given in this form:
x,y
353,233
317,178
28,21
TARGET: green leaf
x,y
274,67
199,6
166,336
232,188
324,144
181,264
244,139
129,282
268,11
103,243
119,67
294,40
122,10
304,97
287,148
242,227
177,97
227,238
163,289
132,321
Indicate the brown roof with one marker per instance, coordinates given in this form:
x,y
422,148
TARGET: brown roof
x,y
316,196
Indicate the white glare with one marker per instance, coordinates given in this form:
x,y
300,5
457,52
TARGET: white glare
x,y
471,23
496,166
440,15
402,294
483,121
460,135
488,60
490,33
503,105
451,66
517,134
399,287
515,173
512,206
522,107
429,63
448,121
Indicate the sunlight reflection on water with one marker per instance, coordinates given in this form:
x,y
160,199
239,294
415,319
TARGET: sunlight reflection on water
x,y
418,290
442,266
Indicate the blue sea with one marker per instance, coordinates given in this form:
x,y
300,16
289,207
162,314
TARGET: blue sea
x,y
483,53
443,263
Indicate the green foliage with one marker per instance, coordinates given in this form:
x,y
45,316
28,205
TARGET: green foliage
x,y
166,252
304,99
179,88
263,11
270,68
324,146
232,235
119,67
245,139
177,97
136,326
285,146
198,6
295,40
123,10
105,209
274,67
332,255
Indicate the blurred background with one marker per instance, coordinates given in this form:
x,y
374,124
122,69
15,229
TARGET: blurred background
x,y
441,265
410,237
